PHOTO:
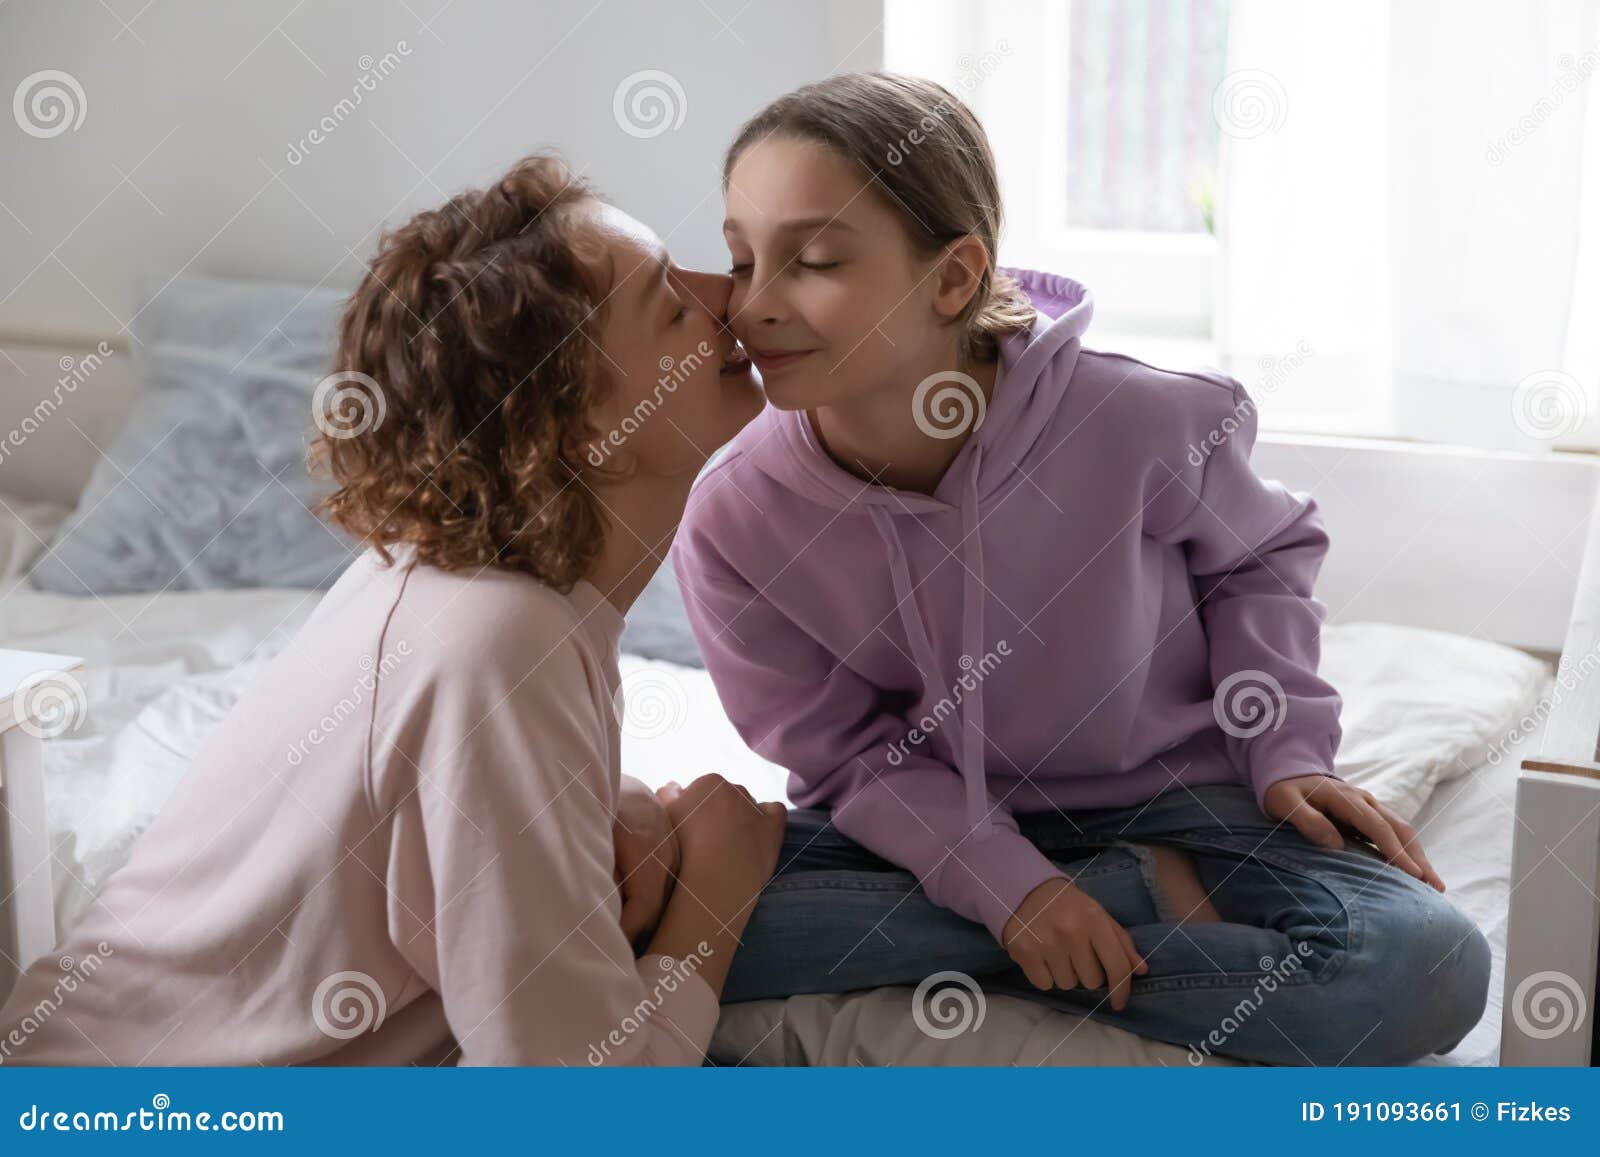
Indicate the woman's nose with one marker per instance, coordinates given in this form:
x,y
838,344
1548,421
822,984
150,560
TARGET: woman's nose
x,y
710,290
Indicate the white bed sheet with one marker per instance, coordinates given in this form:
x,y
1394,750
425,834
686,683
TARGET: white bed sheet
x,y
163,669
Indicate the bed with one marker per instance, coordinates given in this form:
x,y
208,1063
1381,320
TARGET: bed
x,y
162,671
1444,651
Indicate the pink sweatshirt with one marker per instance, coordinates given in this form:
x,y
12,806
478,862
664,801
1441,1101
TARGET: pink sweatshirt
x,y
396,850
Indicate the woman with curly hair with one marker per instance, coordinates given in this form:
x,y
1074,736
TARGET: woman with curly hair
x,y
410,842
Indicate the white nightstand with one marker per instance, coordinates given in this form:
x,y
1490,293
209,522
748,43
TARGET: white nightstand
x,y
41,696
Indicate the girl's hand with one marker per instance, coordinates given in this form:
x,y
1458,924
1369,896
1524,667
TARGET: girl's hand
x,y
730,843
647,859
1317,804
1062,938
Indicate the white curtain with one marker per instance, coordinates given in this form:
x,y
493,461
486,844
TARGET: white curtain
x,y
1409,217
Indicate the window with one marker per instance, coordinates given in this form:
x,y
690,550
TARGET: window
x,y
1099,112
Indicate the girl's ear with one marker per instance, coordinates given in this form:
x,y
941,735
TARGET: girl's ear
x,y
961,271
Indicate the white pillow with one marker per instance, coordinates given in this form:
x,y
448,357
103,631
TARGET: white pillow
x,y
1422,707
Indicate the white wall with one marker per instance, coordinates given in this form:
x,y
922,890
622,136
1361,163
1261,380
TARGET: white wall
x,y
191,107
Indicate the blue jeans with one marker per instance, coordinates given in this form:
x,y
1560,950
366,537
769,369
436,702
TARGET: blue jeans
x,y
1323,957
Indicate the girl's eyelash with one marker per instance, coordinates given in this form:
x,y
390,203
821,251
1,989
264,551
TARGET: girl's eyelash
x,y
817,264
738,270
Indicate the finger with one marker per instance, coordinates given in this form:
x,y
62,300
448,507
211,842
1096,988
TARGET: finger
x,y
1086,964
1376,828
1139,964
1413,844
1037,971
1115,963
669,791
1309,821
1062,973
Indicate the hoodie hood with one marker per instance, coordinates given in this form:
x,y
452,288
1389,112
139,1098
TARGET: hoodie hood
x,y
785,448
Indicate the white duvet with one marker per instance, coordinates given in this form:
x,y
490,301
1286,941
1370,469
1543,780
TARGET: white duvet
x,y
1422,709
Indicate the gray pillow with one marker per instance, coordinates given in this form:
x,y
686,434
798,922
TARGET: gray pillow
x,y
206,487
658,626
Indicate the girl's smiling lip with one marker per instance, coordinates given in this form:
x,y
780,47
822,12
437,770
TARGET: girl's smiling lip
x,y
768,361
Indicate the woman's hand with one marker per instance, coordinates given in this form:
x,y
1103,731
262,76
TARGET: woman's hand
x,y
1317,804
647,859
1062,938
729,841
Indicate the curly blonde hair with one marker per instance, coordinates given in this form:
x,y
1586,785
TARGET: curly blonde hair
x,y
466,382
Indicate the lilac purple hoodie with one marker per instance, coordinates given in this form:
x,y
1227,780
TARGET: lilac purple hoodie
x,y
1099,602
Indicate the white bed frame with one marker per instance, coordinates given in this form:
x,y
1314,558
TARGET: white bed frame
x,y
1496,545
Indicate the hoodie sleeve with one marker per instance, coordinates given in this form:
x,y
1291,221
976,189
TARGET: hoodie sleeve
x,y
795,704
1254,549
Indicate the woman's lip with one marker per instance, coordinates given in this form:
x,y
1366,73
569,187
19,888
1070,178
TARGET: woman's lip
x,y
767,362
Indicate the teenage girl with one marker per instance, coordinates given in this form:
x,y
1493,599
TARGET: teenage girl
x,y
1022,618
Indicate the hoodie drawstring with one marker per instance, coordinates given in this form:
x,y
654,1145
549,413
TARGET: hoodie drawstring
x,y
970,748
